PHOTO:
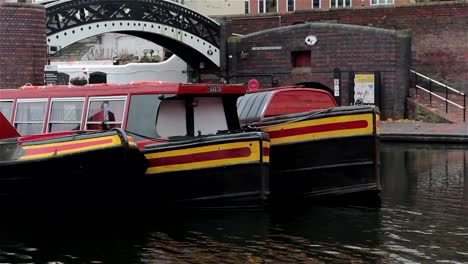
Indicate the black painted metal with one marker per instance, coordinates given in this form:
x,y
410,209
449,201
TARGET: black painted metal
x,y
65,15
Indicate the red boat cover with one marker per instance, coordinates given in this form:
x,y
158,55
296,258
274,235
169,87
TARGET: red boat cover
x,y
6,129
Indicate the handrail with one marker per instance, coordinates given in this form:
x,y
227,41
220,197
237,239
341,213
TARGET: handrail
x,y
438,96
439,83
447,88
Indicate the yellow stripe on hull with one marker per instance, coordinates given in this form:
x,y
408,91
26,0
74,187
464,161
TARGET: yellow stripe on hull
x,y
254,156
368,130
114,141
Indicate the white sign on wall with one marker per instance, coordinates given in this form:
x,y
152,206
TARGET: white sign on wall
x,y
364,89
336,87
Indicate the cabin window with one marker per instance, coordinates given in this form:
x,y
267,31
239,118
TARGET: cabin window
x,y
29,117
105,112
5,108
172,119
65,114
209,116
142,115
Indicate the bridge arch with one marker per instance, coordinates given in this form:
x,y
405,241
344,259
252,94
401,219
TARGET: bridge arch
x,y
193,37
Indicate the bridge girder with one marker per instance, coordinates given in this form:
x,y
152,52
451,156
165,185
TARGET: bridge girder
x,y
193,37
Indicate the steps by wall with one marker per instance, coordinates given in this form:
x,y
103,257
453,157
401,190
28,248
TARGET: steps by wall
x,y
421,106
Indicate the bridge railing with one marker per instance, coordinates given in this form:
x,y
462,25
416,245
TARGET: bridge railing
x,y
438,90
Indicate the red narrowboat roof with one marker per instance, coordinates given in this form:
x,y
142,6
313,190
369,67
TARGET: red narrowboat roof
x,y
147,87
263,103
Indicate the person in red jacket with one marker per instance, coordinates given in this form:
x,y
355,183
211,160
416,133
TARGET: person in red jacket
x,y
104,116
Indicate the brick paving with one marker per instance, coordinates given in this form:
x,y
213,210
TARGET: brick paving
x,y
416,127
415,131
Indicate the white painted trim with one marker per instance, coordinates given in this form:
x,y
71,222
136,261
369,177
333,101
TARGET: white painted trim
x,y
107,98
72,35
320,4
338,6
65,99
31,100
386,3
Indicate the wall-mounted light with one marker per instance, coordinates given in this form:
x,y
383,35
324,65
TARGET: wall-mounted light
x,y
310,40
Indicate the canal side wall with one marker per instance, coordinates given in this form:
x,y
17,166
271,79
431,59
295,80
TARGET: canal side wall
x,y
439,32
23,47
267,57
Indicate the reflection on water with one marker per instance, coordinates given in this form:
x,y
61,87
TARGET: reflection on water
x,y
276,236
426,207
423,219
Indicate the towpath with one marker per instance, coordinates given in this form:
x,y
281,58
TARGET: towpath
x,y
414,131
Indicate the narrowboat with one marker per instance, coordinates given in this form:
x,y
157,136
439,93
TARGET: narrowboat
x,y
190,135
318,149
67,168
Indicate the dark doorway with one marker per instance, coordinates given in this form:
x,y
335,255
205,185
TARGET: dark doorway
x,y
63,78
98,77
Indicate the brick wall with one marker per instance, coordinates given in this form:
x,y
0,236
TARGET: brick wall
x,y
267,56
23,47
307,4
439,32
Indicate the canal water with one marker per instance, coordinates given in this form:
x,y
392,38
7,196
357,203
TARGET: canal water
x,y
423,218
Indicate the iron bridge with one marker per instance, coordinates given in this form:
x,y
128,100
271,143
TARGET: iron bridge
x,y
192,36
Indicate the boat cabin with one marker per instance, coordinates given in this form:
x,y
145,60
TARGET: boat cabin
x,y
150,109
263,103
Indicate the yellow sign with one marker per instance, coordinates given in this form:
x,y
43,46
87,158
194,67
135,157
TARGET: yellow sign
x,y
368,78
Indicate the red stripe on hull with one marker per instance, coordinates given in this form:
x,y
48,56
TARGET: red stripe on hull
x,y
66,147
200,157
266,151
318,128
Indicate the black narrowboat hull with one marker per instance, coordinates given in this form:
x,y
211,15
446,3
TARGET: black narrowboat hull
x,y
89,169
222,171
327,154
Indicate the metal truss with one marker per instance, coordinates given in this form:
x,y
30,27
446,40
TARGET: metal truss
x,y
66,14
